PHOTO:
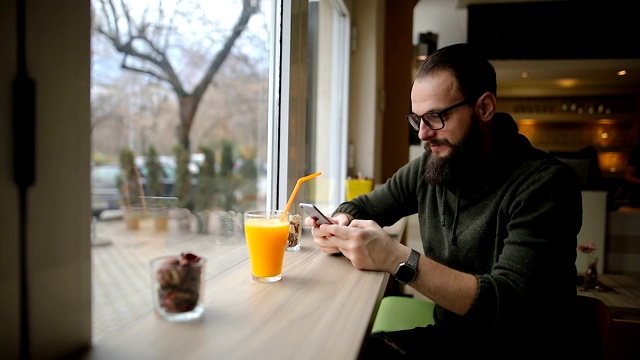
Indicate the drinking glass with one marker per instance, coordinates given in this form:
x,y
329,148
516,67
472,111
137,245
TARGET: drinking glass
x,y
178,287
295,232
266,232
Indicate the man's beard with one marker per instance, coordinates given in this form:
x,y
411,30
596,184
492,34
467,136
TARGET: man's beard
x,y
445,170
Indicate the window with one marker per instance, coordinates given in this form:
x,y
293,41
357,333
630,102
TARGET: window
x,y
273,107
186,79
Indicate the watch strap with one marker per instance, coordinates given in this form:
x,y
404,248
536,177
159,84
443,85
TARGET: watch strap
x,y
413,258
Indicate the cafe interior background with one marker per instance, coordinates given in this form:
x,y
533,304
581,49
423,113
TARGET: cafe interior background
x,y
564,104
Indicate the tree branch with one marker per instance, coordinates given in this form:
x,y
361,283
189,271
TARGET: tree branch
x,y
155,56
248,10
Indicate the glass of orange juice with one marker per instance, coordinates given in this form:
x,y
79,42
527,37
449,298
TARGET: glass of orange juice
x,y
267,237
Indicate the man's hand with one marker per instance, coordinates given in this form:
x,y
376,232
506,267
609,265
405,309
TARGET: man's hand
x,y
321,237
366,244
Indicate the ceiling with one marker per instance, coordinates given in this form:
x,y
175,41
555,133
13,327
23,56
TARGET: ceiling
x,y
562,77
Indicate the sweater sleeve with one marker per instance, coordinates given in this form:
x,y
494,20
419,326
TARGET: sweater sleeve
x,y
390,201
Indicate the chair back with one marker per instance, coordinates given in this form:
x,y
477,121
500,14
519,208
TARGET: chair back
x,y
592,326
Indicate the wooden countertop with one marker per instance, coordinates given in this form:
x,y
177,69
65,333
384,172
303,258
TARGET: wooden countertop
x,y
322,308
624,297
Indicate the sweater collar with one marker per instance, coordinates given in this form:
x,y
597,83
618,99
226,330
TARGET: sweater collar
x,y
508,147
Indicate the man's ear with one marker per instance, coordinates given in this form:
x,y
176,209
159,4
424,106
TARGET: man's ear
x,y
486,106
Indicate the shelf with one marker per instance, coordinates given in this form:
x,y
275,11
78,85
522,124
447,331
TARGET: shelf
x,y
574,118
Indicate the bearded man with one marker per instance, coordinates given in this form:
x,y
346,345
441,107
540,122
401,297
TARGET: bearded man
x,y
498,220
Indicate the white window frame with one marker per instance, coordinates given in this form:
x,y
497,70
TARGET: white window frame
x,y
340,109
328,135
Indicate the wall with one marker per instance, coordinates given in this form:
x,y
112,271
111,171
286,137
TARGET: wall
x,y
397,86
365,79
380,86
443,17
446,19
594,216
9,259
58,239
623,241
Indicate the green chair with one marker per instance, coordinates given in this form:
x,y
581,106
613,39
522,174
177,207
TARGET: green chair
x,y
402,313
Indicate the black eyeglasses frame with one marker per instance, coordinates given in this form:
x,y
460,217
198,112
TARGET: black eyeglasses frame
x,y
415,119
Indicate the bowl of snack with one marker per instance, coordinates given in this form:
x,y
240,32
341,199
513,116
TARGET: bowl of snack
x,y
178,286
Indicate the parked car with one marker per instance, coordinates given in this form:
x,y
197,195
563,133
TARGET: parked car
x,y
105,194
104,188
168,173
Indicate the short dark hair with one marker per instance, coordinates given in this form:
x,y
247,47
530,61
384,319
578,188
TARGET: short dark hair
x,y
473,72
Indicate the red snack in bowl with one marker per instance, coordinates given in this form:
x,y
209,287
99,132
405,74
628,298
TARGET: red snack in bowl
x,y
189,258
167,274
179,280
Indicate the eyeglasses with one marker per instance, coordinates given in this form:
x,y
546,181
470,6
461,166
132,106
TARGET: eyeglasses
x,y
433,119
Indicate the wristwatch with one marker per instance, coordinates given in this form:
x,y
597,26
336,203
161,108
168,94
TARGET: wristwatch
x,y
408,270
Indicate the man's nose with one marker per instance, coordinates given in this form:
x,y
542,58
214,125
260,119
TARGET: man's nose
x,y
425,132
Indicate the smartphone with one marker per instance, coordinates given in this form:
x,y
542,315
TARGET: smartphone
x,y
314,213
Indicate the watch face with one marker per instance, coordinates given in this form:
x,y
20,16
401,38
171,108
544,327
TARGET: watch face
x,y
405,274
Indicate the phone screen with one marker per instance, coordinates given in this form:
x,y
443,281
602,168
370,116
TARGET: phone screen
x,y
314,213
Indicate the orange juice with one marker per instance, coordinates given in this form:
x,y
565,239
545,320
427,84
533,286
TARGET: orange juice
x,y
266,240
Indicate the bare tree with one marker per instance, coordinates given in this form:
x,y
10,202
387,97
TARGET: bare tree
x,y
148,41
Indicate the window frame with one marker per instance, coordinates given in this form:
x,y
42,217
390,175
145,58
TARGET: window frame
x,y
327,106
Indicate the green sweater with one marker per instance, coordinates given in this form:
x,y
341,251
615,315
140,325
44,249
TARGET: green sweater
x,y
512,221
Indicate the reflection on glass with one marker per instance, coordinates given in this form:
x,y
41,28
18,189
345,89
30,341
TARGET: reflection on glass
x,y
170,75
176,81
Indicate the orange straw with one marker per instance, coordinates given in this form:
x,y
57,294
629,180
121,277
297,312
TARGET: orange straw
x,y
295,192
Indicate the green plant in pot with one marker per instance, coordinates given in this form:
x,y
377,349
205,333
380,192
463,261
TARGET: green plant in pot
x,y
155,201
226,185
130,187
154,186
227,182
205,194
182,185
248,179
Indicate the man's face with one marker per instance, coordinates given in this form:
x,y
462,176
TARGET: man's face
x,y
447,168
455,145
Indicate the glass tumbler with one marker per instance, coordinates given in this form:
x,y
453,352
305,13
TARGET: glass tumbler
x,y
177,284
